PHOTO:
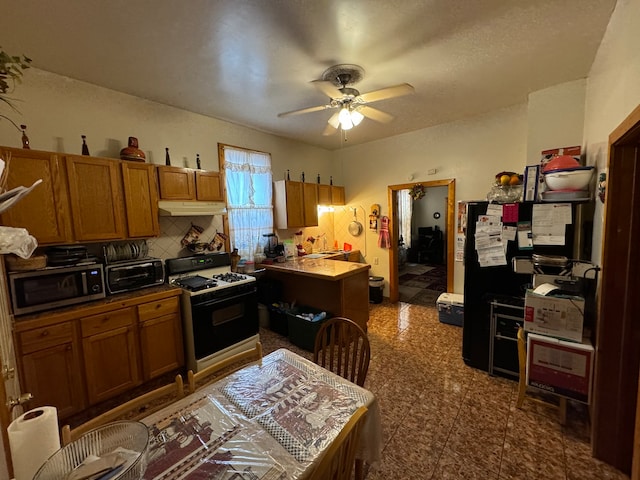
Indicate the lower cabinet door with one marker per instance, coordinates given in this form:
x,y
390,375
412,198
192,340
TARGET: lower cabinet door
x,y
161,342
51,375
111,363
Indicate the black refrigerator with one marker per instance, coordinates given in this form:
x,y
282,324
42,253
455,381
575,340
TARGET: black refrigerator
x,y
482,285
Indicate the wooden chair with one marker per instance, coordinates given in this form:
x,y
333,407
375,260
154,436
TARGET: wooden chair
x,y
522,380
134,409
214,370
343,347
338,460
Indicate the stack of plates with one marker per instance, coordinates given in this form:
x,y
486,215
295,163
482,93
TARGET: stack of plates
x,y
565,195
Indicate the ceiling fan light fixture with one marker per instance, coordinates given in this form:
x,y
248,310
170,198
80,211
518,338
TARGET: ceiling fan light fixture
x,y
356,117
345,119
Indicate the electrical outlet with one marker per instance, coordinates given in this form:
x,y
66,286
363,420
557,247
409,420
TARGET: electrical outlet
x,y
375,260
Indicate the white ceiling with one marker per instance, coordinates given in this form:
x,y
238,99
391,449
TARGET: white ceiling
x,y
245,61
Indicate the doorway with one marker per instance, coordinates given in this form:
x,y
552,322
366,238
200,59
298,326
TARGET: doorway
x,y
425,252
618,334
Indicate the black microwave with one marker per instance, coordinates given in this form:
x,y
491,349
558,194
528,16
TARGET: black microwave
x,y
55,287
133,275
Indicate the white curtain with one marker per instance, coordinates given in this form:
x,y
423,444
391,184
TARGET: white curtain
x,y
249,193
405,209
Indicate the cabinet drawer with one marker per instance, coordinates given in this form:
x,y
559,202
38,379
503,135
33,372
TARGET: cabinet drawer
x,y
104,322
158,309
45,337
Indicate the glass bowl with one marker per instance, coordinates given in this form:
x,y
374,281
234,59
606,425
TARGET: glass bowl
x,y
129,435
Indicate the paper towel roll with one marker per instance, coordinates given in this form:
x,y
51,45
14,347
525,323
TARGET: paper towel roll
x,y
33,438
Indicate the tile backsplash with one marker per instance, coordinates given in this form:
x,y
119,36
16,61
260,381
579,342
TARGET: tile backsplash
x,y
173,229
332,226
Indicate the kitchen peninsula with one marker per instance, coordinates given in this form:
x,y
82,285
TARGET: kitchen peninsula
x,y
339,287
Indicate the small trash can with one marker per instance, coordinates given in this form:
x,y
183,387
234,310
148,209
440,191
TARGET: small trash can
x,y
376,286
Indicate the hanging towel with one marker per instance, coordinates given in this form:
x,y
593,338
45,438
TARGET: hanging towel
x,y
383,239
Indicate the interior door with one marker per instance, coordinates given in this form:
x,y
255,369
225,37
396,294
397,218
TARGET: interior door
x,y
618,334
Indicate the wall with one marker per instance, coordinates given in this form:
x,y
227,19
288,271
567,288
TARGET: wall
x,y
613,91
471,151
57,110
555,118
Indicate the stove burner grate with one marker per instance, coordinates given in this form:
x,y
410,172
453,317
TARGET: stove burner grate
x,y
228,277
195,283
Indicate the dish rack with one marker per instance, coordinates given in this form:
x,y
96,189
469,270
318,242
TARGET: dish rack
x,y
125,251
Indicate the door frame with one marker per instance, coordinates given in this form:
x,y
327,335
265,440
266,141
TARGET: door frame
x,y
392,194
618,332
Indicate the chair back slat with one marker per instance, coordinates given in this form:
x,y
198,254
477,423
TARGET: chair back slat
x,y
338,460
342,347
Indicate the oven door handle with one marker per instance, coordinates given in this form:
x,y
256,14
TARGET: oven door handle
x,y
221,300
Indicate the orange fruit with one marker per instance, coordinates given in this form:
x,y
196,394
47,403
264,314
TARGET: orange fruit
x,y
514,180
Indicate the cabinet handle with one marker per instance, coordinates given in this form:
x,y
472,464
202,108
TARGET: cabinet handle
x,y
45,333
68,347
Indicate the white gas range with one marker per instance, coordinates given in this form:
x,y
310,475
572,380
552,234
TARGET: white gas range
x,y
219,308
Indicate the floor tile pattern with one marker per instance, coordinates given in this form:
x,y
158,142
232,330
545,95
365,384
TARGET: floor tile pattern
x,y
420,284
445,420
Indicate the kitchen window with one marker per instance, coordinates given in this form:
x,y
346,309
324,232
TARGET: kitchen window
x,y
248,179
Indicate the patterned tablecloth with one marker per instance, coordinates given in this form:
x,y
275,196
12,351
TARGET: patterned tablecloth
x,y
270,420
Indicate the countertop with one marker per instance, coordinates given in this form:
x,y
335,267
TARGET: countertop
x,y
134,297
319,267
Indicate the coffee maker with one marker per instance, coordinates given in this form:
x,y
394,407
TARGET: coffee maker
x,y
273,248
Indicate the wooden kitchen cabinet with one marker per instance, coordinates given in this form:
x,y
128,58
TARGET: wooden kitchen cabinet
x,y
110,351
337,195
160,337
331,195
209,186
44,212
141,199
295,204
310,203
95,193
50,362
81,355
178,183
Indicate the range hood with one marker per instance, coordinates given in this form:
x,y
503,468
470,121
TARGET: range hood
x,y
169,208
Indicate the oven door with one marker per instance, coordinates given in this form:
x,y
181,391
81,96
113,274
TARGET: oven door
x,y
220,323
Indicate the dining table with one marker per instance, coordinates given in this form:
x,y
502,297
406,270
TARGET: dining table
x,y
272,419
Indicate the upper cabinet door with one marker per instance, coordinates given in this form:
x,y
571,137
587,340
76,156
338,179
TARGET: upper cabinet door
x,y
288,204
176,183
95,191
337,195
141,199
45,211
208,186
310,195
324,194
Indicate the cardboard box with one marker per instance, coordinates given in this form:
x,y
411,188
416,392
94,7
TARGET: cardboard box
x,y
559,367
557,316
451,308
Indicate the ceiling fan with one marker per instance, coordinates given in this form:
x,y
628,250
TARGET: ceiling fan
x,y
351,106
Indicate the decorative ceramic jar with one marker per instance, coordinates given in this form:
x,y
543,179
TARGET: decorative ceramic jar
x,y
132,152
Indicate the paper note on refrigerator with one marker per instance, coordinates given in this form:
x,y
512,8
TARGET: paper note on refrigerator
x,y
549,223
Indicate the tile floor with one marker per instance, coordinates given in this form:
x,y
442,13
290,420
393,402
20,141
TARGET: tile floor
x,y
444,420
420,284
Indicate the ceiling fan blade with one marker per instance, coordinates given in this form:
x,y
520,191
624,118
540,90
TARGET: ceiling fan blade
x,y
328,88
375,114
329,130
304,110
389,92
